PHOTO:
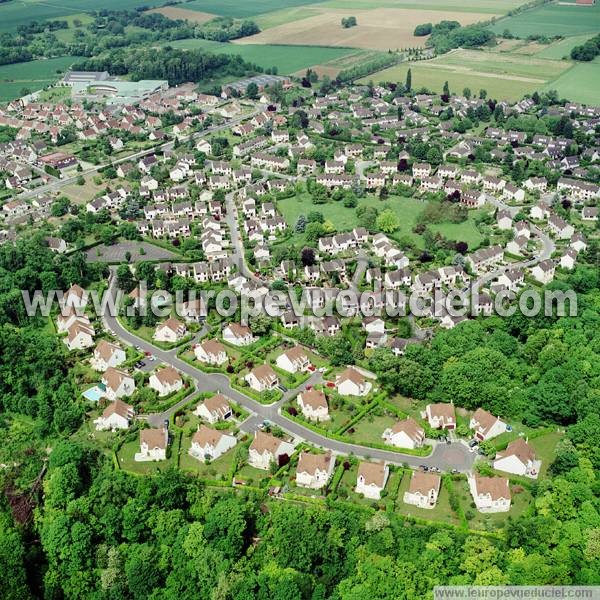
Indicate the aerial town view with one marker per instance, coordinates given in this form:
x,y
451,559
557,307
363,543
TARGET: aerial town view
x,y
299,299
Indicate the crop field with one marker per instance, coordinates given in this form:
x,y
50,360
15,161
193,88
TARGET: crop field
x,y
18,12
287,59
503,75
332,67
33,75
378,28
552,19
490,7
174,12
581,83
244,8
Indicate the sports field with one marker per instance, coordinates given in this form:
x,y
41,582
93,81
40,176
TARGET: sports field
x,y
287,59
552,19
579,84
505,76
378,28
33,75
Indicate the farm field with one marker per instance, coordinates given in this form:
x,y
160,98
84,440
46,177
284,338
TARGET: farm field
x,y
490,7
581,83
552,19
503,75
235,8
33,75
562,48
174,12
287,59
18,12
378,28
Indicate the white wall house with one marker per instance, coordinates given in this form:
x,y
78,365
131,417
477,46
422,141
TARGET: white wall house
x,y
352,383
294,360
238,335
211,352
118,383
518,459
107,355
166,381
170,331
405,434
490,494
371,479
266,448
486,425
313,404
314,470
153,445
214,409
210,444
423,490
117,415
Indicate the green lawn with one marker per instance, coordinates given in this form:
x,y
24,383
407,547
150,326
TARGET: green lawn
x,y
558,50
440,512
370,429
497,7
552,19
579,84
126,455
544,447
287,59
33,75
217,470
407,209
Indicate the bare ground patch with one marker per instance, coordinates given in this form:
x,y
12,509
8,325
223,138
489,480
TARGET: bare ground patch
x,y
379,28
193,16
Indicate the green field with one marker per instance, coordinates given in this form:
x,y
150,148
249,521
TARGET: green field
x,y
481,6
505,76
287,59
579,84
407,210
33,75
552,19
562,48
19,12
242,9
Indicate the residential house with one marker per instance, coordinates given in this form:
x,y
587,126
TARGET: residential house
x,y
170,331
371,479
107,355
266,449
352,383
294,360
314,470
118,383
485,425
544,271
313,404
518,459
405,434
166,381
79,336
490,494
211,352
117,415
238,335
153,445
214,409
262,378
210,444
423,490
441,416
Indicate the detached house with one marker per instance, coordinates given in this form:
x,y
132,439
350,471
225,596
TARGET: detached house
x,y
170,331
117,415
441,416
314,470
352,383
485,425
153,445
107,355
294,360
405,434
117,383
519,459
262,378
211,352
313,404
79,336
490,494
166,381
266,448
423,490
371,479
238,335
544,271
214,409
210,444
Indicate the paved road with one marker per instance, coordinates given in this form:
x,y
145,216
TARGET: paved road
x,y
451,456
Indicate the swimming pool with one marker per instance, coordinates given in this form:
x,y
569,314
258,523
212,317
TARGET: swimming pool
x,y
94,394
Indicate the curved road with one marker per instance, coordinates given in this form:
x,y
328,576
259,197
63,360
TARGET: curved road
x,y
444,456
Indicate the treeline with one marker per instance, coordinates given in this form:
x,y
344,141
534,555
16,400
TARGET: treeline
x,y
364,69
175,65
447,35
223,29
588,51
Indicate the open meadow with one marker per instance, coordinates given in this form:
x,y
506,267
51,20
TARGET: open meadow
x,y
175,12
551,20
581,83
